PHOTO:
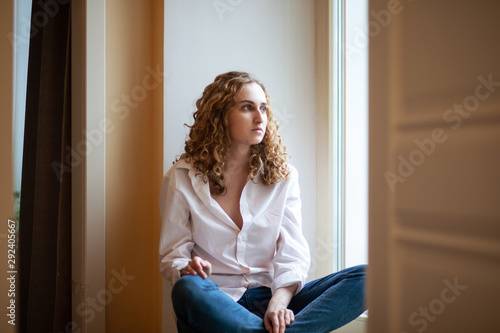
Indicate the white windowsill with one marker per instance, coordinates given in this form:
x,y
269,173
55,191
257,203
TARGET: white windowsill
x,y
358,325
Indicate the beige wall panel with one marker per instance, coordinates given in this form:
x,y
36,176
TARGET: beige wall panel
x,y
133,168
447,173
451,229
434,161
441,59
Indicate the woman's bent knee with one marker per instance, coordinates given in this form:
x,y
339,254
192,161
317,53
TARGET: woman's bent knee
x,y
186,285
356,270
190,287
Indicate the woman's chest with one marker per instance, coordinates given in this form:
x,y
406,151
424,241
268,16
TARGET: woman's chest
x,y
230,200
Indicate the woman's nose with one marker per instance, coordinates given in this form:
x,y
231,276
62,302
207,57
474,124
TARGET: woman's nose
x,y
259,118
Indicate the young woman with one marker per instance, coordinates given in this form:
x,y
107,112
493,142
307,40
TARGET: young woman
x,y
231,239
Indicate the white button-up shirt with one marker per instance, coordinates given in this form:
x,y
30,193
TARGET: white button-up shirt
x,y
269,250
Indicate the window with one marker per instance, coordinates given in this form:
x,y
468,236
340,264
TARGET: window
x,y
20,43
356,132
348,132
342,137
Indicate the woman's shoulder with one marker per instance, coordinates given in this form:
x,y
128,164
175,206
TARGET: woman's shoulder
x,y
290,177
291,168
180,169
292,172
181,164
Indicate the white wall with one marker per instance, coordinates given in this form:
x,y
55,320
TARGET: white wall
x,y
274,40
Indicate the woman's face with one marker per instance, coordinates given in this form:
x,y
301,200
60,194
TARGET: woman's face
x,y
247,119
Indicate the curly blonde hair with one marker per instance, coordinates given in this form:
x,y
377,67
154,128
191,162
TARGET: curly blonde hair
x,y
209,139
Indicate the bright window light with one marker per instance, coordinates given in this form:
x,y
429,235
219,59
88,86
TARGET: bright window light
x,y
356,133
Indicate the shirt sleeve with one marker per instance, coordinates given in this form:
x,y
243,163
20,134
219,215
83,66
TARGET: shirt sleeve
x,y
291,261
176,240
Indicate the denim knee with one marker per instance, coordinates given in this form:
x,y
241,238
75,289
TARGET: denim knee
x,y
359,270
187,287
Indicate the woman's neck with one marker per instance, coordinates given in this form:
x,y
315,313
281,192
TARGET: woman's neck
x,y
237,160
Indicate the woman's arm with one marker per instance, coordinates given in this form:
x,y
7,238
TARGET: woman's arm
x,y
291,260
176,241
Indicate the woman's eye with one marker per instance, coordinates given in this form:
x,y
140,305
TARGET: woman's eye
x,y
263,109
247,107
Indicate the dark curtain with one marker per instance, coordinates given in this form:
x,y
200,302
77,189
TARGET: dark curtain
x,y
45,216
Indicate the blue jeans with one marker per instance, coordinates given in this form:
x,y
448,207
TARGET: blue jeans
x,y
321,306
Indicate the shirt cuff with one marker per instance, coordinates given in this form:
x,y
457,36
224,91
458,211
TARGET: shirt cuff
x,y
287,279
172,271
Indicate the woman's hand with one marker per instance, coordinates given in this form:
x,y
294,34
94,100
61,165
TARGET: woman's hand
x,y
278,316
197,266
277,319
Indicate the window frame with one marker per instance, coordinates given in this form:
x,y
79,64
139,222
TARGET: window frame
x,y
330,183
